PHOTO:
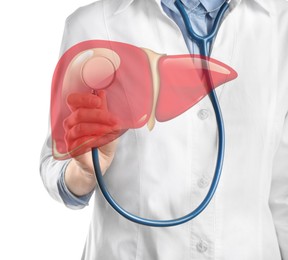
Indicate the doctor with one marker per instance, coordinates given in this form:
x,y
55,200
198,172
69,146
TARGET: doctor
x,y
165,173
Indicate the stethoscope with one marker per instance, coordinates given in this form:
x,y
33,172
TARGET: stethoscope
x,y
203,43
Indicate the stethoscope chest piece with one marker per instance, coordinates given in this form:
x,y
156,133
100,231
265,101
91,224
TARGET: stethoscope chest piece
x,y
99,78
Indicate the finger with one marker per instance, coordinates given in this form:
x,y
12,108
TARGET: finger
x,y
85,115
85,143
81,145
85,129
83,100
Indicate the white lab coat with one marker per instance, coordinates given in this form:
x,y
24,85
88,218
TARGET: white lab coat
x,y
166,173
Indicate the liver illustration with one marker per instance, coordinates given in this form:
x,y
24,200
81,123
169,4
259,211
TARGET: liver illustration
x,y
141,86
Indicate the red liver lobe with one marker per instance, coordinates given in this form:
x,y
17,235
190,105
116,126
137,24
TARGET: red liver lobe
x,y
128,97
183,83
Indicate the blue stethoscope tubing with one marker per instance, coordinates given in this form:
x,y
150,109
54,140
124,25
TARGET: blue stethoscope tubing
x,y
202,43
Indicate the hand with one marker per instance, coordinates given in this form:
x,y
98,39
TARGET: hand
x,y
90,125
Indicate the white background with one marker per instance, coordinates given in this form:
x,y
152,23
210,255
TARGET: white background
x,y
32,224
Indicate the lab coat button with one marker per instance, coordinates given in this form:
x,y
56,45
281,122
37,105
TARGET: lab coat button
x,y
203,114
203,182
202,246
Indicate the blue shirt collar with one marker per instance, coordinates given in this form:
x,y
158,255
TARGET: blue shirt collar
x,y
190,4
211,7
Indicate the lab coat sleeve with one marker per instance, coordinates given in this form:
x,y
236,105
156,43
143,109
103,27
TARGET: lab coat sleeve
x,y
279,192
52,170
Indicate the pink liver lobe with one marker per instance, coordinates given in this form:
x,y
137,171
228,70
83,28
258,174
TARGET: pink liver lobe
x,y
183,83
